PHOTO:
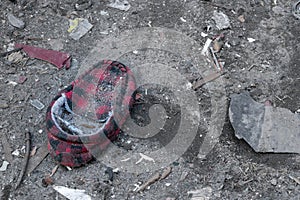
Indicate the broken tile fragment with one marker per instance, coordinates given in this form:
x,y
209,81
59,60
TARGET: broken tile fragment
x,y
264,128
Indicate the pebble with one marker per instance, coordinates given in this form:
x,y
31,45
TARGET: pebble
x,y
274,182
3,104
14,21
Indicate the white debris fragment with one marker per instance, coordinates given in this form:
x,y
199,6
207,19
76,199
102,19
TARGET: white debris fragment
x,y
251,40
72,194
168,184
116,170
4,166
206,46
182,19
222,21
201,194
120,5
103,13
144,157
16,152
14,21
203,34
37,104
135,52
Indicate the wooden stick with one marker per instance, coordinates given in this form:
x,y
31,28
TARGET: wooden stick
x,y
27,155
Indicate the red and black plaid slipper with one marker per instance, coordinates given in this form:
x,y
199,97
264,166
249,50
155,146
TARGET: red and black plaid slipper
x,y
86,116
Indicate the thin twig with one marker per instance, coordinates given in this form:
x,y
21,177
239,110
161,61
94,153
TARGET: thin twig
x,y
27,155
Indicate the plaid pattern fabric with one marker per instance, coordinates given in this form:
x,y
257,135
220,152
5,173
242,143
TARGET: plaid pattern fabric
x,y
111,85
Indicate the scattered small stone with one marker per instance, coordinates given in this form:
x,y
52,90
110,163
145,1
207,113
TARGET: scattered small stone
x,y
37,104
222,21
120,5
241,18
14,21
274,182
3,104
83,4
251,40
168,184
22,79
4,166
182,19
103,13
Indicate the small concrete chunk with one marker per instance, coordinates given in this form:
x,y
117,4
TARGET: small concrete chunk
x,y
222,21
264,128
14,21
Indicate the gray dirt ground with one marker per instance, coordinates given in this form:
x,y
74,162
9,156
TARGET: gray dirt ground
x,y
232,169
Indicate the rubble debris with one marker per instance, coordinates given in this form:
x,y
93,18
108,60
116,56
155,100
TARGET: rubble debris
x,y
37,104
296,9
3,104
206,46
47,181
79,27
152,180
251,40
6,192
222,21
182,19
72,194
16,153
22,79
15,57
4,166
56,58
201,194
120,5
166,173
206,79
14,21
26,159
6,148
217,45
264,128
144,157
9,52
241,18
83,4
110,173
295,179
38,158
